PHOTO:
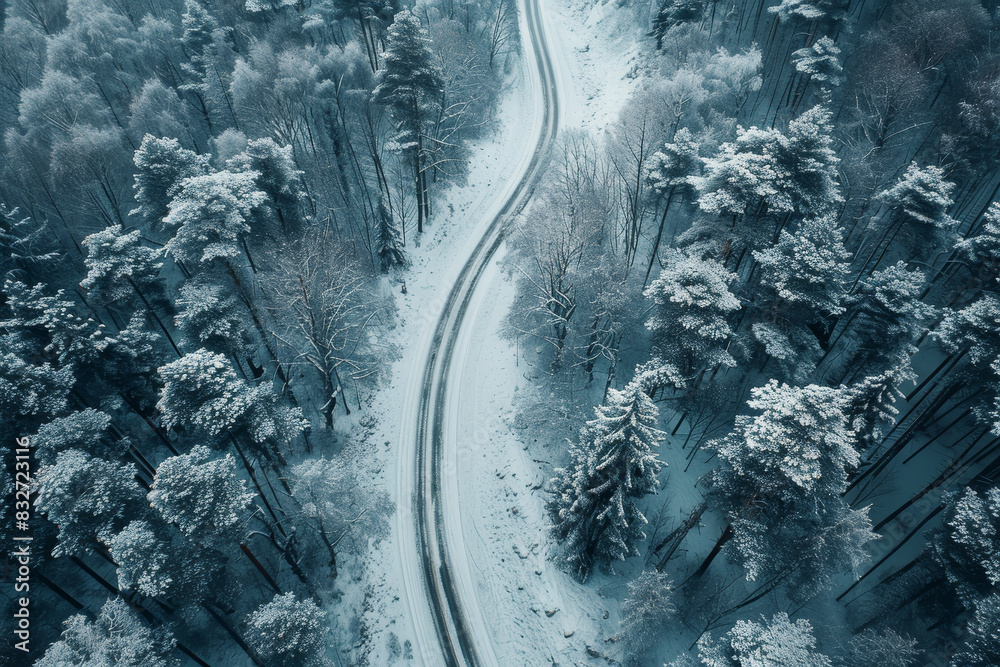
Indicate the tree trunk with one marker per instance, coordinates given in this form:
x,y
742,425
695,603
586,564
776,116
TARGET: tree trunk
x,y
725,537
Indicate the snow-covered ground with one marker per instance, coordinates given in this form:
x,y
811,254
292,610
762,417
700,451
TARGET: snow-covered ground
x,y
494,503
536,612
396,610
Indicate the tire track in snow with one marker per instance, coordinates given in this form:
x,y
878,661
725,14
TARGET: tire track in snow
x,y
456,635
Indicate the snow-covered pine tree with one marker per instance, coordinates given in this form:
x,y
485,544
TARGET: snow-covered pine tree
x,y
212,216
277,176
205,43
820,62
808,268
775,643
670,168
410,84
922,196
804,285
371,17
746,182
669,176
919,223
982,250
798,444
87,497
129,358
388,242
161,165
975,330
808,11
672,13
967,546
287,632
647,612
756,180
885,317
872,404
155,561
982,646
690,322
84,430
212,316
203,497
202,392
42,325
30,393
780,478
119,268
26,246
813,163
116,637
594,508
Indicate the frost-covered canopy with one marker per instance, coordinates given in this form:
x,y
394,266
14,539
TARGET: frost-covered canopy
x,y
693,302
287,632
117,637
205,498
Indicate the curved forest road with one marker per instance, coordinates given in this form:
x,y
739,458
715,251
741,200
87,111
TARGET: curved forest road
x,y
455,633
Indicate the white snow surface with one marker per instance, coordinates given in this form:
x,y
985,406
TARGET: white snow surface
x,y
496,523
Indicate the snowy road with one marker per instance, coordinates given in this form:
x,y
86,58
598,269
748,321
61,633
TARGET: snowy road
x,y
435,570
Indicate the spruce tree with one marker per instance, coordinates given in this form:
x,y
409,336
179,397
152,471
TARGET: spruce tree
x,y
410,84
594,509
388,243
690,321
780,478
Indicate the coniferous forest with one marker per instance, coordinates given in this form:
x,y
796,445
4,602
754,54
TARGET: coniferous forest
x,y
512,332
